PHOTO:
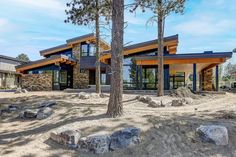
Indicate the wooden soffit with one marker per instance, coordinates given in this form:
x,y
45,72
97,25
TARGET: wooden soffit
x,y
171,46
182,61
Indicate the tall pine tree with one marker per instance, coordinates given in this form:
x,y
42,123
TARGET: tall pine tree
x,y
84,12
160,9
115,106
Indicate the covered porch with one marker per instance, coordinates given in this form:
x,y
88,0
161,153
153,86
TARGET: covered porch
x,y
199,72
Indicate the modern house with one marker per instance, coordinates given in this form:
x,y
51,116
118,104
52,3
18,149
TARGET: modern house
x,y
73,61
9,78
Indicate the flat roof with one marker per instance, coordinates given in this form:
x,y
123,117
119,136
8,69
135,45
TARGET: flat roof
x,y
189,55
11,58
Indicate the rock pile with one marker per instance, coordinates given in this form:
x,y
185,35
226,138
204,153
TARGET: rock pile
x,y
216,134
183,92
97,144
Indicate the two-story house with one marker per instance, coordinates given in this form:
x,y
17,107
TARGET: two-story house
x,y
140,67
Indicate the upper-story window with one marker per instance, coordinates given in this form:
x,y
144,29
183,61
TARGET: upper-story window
x,y
88,49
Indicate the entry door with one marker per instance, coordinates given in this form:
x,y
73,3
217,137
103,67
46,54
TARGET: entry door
x,y
63,79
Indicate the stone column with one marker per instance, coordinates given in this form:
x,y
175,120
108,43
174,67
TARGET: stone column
x,y
207,82
76,67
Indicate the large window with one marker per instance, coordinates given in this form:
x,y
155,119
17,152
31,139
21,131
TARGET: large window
x,y
88,49
129,75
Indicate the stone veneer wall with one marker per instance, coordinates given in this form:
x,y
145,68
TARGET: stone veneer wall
x,y
207,82
37,82
80,80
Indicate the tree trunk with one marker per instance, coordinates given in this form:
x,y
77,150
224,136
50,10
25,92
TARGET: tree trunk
x,y
98,69
115,106
160,51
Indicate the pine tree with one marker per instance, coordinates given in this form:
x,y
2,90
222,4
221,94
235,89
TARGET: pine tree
x,y
161,9
115,106
92,12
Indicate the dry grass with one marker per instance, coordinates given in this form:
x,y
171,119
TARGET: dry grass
x,y
168,131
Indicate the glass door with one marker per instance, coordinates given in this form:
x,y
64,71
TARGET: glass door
x,y
56,85
150,78
63,79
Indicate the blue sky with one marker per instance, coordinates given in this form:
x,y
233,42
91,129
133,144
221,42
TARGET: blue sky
x,y
29,26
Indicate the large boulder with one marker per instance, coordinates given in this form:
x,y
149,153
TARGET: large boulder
x,y
83,95
216,134
125,138
97,144
44,113
66,137
29,113
187,100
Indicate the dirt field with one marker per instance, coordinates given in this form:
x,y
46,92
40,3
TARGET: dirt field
x,y
166,132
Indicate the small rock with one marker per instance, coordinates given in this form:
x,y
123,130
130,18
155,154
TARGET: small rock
x,y
24,91
66,137
44,113
154,104
125,138
83,95
216,134
97,144
13,107
187,100
177,102
18,90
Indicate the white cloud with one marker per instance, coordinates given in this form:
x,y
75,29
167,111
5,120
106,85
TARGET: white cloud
x,y
205,26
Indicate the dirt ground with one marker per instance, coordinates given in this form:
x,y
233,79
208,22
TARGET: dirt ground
x,y
166,132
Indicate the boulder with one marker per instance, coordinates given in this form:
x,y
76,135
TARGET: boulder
x,y
177,102
95,95
154,104
66,137
125,138
97,144
29,113
83,95
44,113
47,104
216,134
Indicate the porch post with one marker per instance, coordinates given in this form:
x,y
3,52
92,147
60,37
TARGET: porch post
x,y
194,77
141,77
217,78
166,77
